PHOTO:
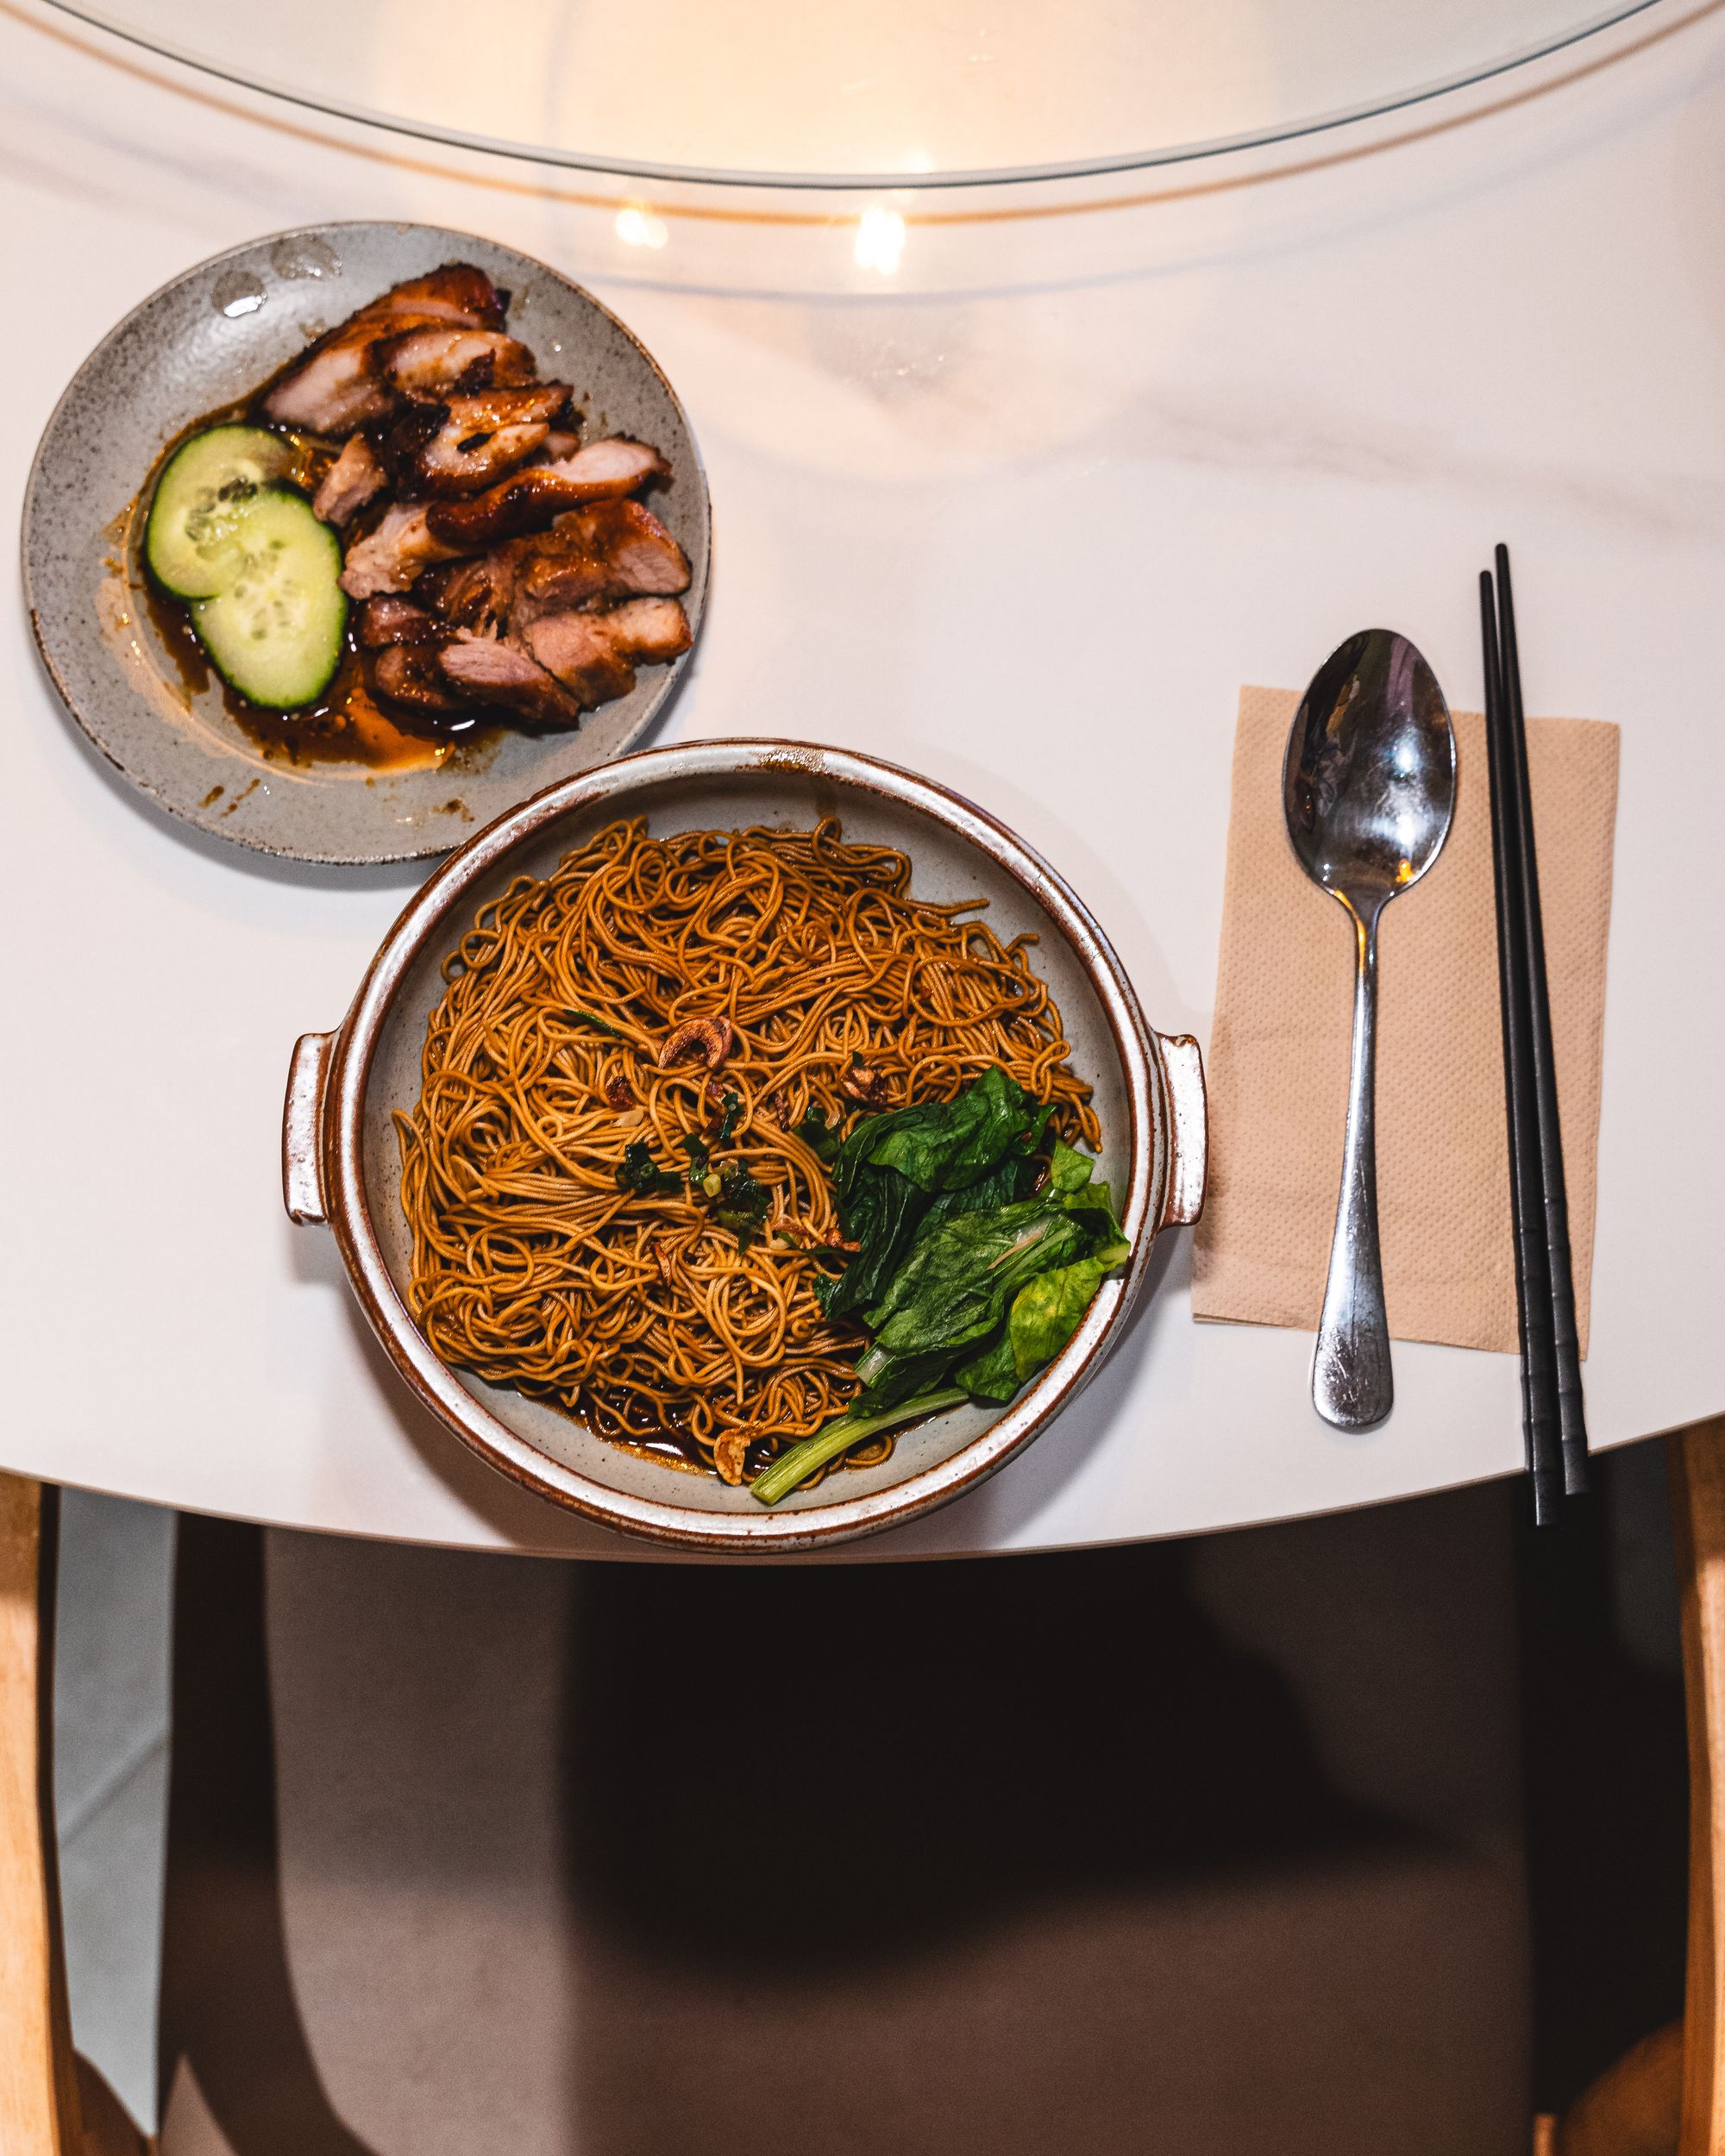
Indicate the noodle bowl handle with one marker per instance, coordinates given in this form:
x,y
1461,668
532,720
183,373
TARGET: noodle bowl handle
x,y
302,1129
1182,1083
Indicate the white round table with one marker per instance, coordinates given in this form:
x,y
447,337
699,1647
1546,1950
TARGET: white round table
x,y
1015,489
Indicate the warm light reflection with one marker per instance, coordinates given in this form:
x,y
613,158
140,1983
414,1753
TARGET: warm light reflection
x,y
880,239
637,227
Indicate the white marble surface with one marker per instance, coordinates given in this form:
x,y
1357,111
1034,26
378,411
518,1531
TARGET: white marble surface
x,y
1020,501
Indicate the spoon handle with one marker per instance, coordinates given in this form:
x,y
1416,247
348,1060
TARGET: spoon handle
x,y
1352,1386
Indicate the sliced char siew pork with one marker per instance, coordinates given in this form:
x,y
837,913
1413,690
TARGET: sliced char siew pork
x,y
587,601
412,536
593,557
431,361
333,389
394,556
471,440
594,656
471,593
497,562
411,680
341,382
390,619
553,668
562,665
533,498
426,670
491,670
354,478
457,292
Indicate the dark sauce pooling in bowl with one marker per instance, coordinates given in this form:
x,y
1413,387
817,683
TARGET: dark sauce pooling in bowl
x,y
613,1417
348,724
613,1420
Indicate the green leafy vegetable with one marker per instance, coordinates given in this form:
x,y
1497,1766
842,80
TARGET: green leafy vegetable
x,y
813,1131
899,1174
955,1287
993,1375
1015,1177
731,1112
944,1144
1068,1170
1098,1199
895,1377
957,1282
796,1465
642,1175
984,1297
974,1266
883,1214
1070,1175
696,1149
1045,1312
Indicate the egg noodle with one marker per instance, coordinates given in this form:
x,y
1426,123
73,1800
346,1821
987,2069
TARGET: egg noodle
x,y
677,1006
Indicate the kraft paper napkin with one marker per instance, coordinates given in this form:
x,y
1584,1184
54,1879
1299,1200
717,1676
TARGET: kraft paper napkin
x,y
1278,1061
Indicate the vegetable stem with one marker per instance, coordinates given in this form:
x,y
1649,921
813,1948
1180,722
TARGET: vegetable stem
x,y
793,1467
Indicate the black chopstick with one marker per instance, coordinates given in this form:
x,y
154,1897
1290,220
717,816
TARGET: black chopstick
x,y
1540,1422
1572,1413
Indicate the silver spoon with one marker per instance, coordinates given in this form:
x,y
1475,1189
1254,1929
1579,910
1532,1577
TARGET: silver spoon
x,y
1369,789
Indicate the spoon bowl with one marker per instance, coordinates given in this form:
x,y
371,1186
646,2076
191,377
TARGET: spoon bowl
x,y
1368,789
1369,784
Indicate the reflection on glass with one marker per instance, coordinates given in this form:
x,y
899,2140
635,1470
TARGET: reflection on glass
x,y
638,227
880,239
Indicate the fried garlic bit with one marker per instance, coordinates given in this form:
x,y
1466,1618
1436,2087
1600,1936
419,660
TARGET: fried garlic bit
x,y
729,1456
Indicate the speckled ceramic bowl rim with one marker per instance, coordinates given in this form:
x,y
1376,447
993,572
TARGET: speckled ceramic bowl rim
x,y
1144,1058
666,688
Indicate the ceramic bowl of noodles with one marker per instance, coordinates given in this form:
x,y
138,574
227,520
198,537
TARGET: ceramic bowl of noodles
x,y
747,1145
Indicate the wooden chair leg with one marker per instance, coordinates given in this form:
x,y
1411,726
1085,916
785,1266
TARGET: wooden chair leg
x,y
1695,1461
38,2106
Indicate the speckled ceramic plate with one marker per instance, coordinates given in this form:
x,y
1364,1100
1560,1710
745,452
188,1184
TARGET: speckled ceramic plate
x,y
205,340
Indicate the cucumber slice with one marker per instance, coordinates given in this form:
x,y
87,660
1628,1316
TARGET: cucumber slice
x,y
275,633
210,483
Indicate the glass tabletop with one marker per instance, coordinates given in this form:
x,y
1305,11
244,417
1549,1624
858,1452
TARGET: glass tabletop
x,y
891,93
